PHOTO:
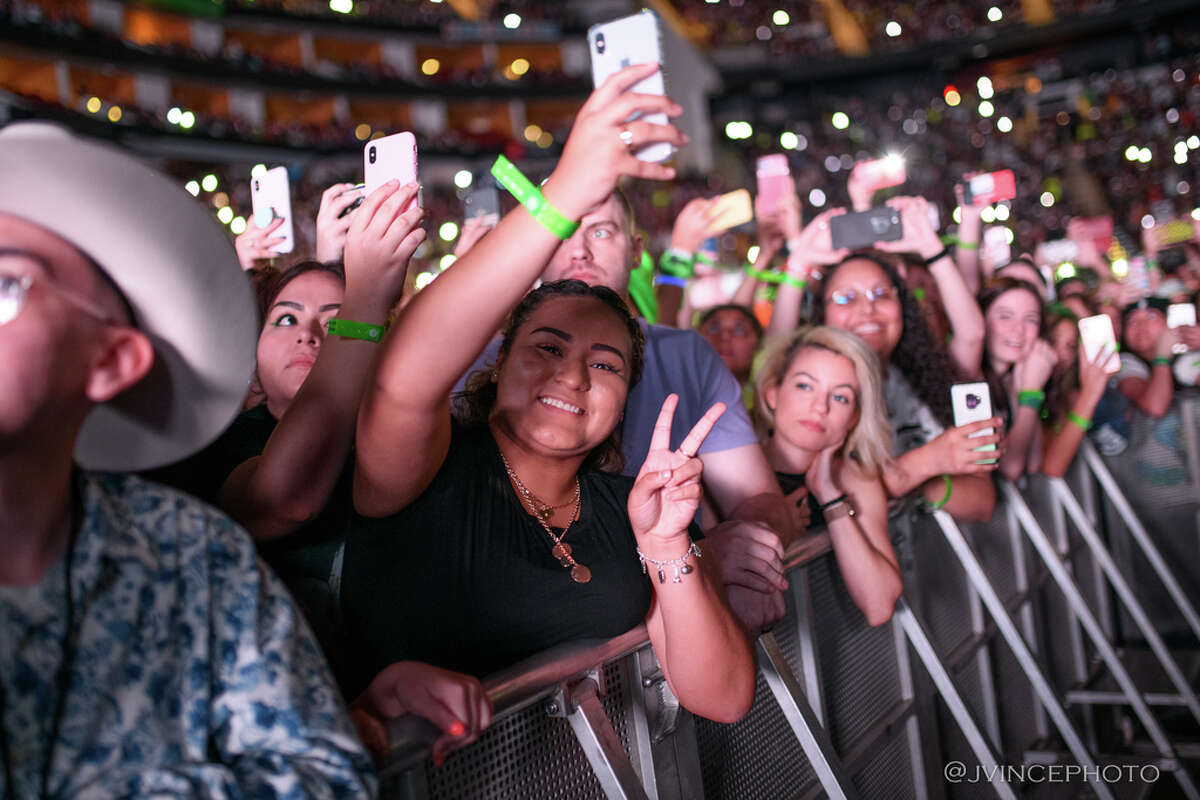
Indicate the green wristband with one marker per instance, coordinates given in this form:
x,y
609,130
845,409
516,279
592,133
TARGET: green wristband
x,y
1033,398
349,329
1164,361
1082,422
766,276
675,263
949,488
791,280
528,195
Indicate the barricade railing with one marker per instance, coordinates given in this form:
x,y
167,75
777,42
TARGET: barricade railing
x,y
1005,648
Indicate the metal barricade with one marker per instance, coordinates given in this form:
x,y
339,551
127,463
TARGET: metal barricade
x,y
1004,646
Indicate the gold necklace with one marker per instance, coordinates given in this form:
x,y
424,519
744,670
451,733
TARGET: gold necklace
x,y
542,513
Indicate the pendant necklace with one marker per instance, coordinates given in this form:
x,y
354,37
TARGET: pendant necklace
x,y
542,512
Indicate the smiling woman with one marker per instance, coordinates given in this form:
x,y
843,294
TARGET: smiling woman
x,y
484,543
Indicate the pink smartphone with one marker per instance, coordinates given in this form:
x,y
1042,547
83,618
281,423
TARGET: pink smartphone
x,y
390,158
773,181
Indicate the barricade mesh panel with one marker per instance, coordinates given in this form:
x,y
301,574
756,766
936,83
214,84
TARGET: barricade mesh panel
x,y
858,662
757,758
993,546
1153,473
941,587
888,774
1016,704
954,744
530,755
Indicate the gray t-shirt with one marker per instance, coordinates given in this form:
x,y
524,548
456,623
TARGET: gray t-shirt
x,y
678,361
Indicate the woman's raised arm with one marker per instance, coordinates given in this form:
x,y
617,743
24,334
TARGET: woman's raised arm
x,y
404,424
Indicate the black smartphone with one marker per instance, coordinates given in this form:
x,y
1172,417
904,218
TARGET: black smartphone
x,y
865,228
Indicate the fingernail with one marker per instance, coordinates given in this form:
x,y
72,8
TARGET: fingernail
x,y
458,729
438,758
666,474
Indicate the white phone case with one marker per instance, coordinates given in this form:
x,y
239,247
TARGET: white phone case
x,y
972,402
623,43
388,158
270,199
1181,315
1097,332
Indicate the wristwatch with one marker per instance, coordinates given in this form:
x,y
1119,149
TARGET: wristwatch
x,y
845,508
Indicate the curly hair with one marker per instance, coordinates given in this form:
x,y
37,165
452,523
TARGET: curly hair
x,y
474,404
922,363
990,293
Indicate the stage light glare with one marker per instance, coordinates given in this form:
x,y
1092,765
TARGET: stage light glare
x,y
816,198
512,21
840,120
208,183
94,104
463,178
1004,125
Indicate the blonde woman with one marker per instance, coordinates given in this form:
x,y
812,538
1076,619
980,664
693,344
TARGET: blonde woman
x,y
823,425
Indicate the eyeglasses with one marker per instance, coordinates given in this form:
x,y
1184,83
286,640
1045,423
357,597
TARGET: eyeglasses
x,y
845,297
14,292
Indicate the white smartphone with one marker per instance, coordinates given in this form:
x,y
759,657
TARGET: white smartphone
x,y
622,43
388,158
996,250
972,402
1181,315
1096,333
270,199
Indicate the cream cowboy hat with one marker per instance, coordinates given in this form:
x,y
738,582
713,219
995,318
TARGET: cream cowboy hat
x,y
175,267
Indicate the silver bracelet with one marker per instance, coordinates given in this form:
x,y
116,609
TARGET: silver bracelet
x,y
680,564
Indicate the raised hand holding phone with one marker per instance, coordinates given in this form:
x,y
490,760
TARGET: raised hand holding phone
x,y
601,147
333,220
1096,334
270,198
615,45
382,238
972,403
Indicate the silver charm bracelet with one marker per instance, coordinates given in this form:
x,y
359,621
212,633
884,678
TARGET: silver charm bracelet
x,y
680,564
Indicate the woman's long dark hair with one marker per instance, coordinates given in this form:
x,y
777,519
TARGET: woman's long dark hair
x,y
474,404
922,363
988,295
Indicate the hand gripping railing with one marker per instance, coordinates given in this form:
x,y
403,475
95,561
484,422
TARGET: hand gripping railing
x,y
568,680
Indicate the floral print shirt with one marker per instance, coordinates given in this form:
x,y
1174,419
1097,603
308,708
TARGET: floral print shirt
x,y
188,671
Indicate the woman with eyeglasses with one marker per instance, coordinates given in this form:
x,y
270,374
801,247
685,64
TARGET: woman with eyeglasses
x,y
864,293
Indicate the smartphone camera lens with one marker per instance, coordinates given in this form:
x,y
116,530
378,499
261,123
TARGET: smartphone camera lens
x,y
257,186
973,401
371,154
600,43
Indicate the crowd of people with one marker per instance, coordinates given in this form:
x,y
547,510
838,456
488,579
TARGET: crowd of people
x,y
380,496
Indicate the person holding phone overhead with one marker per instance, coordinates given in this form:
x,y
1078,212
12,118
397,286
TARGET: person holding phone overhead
x,y
753,526
499,536
865,294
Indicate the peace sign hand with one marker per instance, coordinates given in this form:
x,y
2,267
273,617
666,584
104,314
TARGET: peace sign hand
x,y
667,491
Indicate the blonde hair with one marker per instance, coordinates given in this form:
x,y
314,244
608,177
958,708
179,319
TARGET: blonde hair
x,y
869,442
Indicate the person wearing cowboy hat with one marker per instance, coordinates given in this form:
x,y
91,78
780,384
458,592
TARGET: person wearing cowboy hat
x,y
143,648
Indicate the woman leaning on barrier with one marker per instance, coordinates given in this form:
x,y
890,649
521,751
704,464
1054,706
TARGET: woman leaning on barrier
x,y
1078,398
1017,363
496,540
864,293
820,411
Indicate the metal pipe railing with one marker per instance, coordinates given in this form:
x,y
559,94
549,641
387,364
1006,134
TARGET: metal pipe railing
x,y
411,738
